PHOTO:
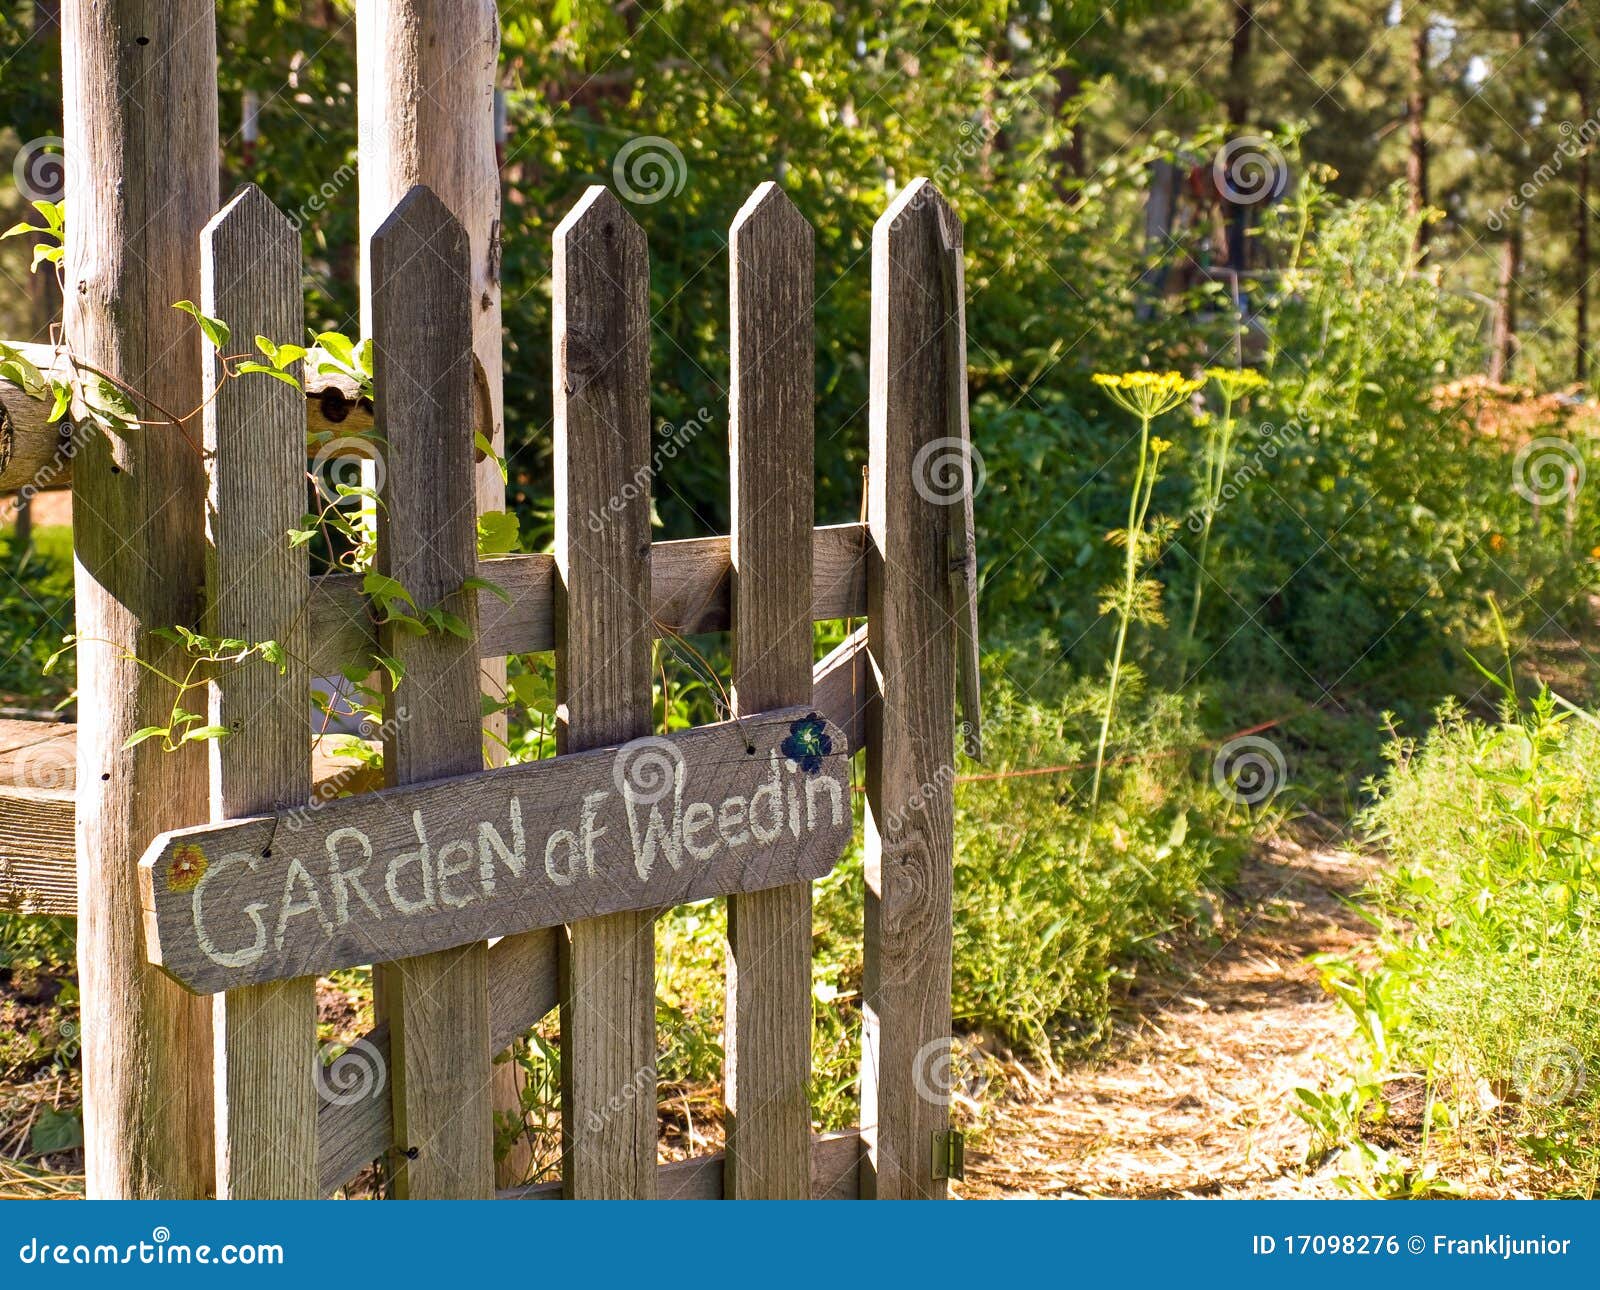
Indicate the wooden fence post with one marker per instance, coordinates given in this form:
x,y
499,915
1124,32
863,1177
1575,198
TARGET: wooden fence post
x,y
768,1017
427,541
426,106
909,841
139,81
258,588
603,693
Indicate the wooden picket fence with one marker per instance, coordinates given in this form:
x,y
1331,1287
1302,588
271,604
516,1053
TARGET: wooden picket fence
x,y
422,1103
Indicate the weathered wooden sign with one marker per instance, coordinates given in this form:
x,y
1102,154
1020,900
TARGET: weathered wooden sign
x,y
741,806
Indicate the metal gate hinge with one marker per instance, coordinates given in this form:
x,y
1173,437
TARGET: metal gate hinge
x,y
949,1153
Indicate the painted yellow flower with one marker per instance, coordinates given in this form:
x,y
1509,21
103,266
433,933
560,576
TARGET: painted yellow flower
x,y
1147,395
186,868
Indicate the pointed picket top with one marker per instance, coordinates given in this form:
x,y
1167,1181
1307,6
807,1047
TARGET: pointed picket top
x,y
920,204
768,207
253,209
597,214
419,220
601,284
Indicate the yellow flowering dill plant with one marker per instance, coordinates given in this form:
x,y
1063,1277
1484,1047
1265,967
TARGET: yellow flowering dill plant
x,y
1147,395
1234,384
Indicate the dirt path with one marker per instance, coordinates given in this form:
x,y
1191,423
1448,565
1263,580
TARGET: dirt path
x,y
1195,1098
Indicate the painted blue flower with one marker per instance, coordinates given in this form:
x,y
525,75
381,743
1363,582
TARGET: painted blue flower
x,y
808,743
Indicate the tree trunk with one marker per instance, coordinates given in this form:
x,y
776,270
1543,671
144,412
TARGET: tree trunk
x,y
1238,96
139,79
1417,128
1068,159
1580,338
1502,356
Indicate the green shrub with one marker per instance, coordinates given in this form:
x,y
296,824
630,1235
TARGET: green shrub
x,y
1047,917
1491,925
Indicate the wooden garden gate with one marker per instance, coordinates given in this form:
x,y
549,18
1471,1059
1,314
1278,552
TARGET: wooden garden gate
x,y
465,977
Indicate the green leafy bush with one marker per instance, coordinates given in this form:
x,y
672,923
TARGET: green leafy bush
x,y
1490,920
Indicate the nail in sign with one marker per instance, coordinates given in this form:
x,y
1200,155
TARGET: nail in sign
x,y
759,802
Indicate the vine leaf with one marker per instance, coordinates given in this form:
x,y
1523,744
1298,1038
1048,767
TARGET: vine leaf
x,y
216,331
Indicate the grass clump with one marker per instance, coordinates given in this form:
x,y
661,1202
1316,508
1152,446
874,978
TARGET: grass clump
x,y
1488,988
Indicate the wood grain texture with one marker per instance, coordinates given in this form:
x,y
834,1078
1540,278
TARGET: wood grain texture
x,y
767,1070
743,805
603,641
963,528
427,540
834,1174
38,778
842,688
38,872
141,128
257,588
909,826
689,593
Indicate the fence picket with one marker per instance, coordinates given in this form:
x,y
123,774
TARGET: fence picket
x,y
258,588
603,642
908,847
427,540
768,1017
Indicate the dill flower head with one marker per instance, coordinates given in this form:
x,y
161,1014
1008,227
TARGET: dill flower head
x,y
1147,394
1235,382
